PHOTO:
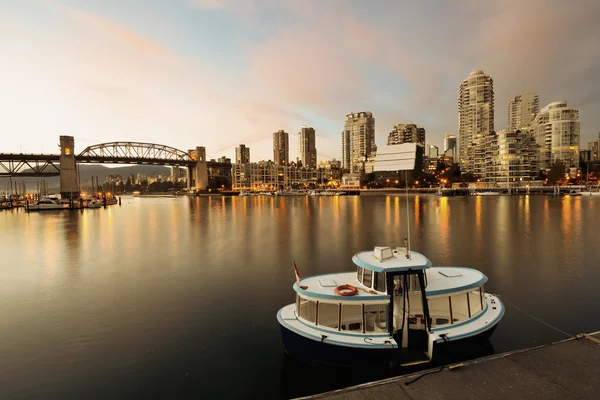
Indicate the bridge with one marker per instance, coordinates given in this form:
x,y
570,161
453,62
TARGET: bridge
x,y
65,164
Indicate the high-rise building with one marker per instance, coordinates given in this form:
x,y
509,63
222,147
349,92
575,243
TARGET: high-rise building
x,y
407,133
556,129
594,148
450,146
307,147
281,148
433,151
475,121
358,140
522,110
511,157
242,154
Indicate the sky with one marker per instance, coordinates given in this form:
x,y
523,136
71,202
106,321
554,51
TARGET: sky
x,y
217,73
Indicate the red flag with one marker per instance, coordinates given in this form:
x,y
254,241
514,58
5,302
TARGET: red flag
x,y
298,277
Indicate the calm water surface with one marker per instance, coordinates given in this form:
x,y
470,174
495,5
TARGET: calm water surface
x,y
177,297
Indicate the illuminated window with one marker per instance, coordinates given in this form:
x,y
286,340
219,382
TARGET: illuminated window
x,y
67,150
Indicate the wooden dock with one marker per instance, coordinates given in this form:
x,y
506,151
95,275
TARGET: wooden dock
x,y
569,369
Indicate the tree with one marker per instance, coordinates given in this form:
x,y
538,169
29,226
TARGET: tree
x,y
557,171
467,177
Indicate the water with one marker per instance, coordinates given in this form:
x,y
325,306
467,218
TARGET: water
x,y
177,297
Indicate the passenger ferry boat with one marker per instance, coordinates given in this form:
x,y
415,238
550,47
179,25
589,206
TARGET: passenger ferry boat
x,y
396,308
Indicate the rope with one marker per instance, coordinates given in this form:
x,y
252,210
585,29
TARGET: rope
x,y
537,319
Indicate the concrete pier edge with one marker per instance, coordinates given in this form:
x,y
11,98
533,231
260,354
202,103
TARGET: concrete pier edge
x,y
401,378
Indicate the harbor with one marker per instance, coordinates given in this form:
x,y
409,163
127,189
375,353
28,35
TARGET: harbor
x,y
568,369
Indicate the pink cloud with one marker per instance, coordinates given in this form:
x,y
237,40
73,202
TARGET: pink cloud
x,y
114,30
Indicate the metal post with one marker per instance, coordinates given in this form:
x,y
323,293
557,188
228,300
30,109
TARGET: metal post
x,y
407,217
390,316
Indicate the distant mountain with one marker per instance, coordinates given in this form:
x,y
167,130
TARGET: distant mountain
x,y
86,172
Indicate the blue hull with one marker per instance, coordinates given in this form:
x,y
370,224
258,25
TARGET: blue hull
x,y
313,352
322,353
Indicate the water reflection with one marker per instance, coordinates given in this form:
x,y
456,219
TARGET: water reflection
x,y
444,222
107,285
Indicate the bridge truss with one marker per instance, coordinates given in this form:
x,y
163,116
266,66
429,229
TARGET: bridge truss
x,y
134,153
29,165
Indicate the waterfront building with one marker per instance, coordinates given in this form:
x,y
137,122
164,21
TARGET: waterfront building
x,y
358,140
475,121
512,156
585,155
433,151
242,154
522,110
266,175
307,147
178,174
594,148
331,164
281,147
407,133
556,129
450,146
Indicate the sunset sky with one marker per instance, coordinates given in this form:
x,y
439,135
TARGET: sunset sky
x,y
217,73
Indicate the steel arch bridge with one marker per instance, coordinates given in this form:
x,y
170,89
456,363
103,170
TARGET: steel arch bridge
x,y
135,153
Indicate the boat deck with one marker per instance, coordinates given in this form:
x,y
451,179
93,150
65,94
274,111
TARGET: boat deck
x,y
562,370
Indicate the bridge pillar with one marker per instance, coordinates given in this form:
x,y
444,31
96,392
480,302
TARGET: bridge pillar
x,y
198,174
69,184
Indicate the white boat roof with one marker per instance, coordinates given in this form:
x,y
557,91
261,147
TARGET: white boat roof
x,y
440,281
446,280
323,287
386,259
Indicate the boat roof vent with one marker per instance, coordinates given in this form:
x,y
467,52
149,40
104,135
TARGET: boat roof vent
x,y
450,273
327,283
383,253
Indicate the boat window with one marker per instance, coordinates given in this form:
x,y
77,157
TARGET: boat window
x,y
439,310
367,278
379,283
475,302
375,318
308,310
328,315
352,317
359,274
460,307
415,286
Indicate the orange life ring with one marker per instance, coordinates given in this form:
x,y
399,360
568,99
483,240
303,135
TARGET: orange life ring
x,y
346,290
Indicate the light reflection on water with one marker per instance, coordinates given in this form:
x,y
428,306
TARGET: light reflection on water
x,y
172,297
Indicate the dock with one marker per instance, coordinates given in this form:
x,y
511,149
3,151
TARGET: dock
x,y
569,369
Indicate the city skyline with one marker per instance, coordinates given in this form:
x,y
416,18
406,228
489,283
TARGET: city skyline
x,y
188,73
